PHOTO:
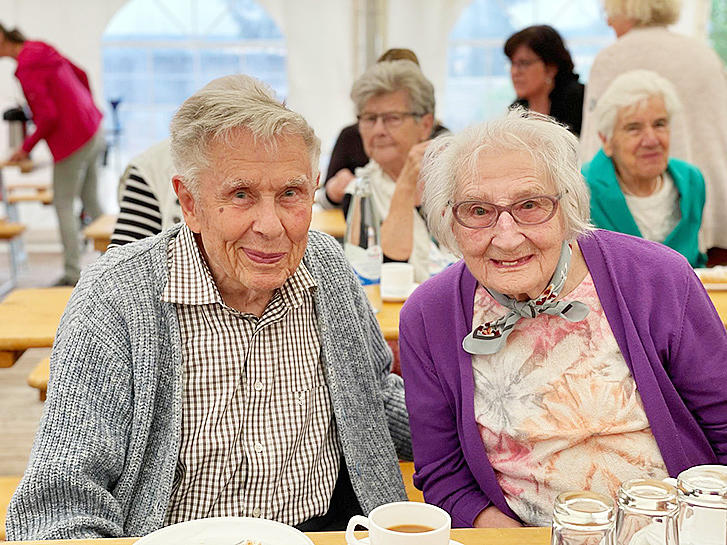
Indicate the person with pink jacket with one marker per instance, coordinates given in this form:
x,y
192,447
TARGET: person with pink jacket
x,y
65,116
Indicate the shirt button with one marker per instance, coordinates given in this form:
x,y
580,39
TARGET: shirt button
x,y
258,448
258,385
256,512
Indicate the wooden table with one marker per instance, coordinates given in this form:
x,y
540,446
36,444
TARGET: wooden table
x,y
29,319
485,536
329,221
99,231
388,318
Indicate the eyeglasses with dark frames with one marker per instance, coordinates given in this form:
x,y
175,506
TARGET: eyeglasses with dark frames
x,y
391,119
528,211
523,64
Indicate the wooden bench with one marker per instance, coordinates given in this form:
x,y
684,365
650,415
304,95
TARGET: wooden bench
x,y
43,196
10,231
29,319
99,231
38,378
7,489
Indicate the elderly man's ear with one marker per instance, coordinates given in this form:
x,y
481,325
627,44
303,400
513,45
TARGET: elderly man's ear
x,y
188,204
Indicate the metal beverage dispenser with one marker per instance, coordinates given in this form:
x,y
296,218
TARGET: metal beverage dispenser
x,y
17,126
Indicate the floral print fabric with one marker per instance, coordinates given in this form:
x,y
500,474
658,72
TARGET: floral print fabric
x,y
558,409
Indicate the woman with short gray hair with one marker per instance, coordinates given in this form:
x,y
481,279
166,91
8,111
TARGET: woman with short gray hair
x,y
635,187
394,104
537,364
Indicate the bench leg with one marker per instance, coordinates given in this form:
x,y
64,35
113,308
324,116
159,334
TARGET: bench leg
x,y
8,358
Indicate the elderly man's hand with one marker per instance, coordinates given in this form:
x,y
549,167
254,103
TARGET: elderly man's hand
x,y
412,167
19,155
336,186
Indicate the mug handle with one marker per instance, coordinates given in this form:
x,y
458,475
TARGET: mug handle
x,y
356,520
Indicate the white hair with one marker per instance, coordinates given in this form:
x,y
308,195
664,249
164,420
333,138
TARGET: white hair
x,y
645,12
451,159
223,106
630,90
391,76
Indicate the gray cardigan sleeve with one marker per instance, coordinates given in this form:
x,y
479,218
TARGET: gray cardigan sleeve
x,y
80,446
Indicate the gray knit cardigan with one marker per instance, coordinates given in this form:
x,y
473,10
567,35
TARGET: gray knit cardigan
x,y
104,456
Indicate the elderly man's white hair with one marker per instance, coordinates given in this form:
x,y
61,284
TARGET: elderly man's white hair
x,y
452,159
645,12
227,104
630,90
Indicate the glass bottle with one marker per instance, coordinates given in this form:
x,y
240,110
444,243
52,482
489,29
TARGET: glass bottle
x,y
647,513
702,500
583,518
362,242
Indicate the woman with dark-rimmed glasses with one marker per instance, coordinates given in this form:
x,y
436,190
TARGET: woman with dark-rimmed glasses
x,y
394,105
554,356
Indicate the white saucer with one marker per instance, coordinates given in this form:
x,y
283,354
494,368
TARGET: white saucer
x,y
365,541
397,297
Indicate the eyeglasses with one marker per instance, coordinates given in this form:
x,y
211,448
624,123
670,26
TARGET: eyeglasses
x,y
391,119
523,64
528,211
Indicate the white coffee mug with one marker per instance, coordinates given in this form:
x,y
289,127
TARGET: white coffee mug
x,y
397,279
386,522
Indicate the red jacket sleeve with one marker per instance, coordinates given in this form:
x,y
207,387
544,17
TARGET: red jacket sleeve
x,y
45,114
81,75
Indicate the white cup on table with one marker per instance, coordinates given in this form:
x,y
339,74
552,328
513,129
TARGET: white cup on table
x,y
397,281
403,523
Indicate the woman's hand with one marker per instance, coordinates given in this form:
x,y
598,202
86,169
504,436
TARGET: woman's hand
x,y
492,517
336,186
410,173
19,155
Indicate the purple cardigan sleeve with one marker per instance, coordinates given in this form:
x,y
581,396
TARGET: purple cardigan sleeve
x,y
698,365
442,472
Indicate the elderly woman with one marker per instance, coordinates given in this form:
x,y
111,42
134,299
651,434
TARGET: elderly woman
x,y
542,75
635,188
699,132
554,356
395,109
348,152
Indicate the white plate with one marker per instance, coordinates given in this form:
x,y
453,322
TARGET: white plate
x,y
365,541
226,531
397,297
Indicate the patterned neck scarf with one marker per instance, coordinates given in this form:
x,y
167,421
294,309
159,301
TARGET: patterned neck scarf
x,y
490,337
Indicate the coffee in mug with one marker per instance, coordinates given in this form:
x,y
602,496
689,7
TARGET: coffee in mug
x,y
403,523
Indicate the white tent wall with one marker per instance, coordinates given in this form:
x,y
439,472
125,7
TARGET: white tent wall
x,y
428,37
324,43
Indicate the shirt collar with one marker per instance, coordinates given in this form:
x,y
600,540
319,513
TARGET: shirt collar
x,y
191,282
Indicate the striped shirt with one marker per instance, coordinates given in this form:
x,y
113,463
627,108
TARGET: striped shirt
x,y
258,433
140,213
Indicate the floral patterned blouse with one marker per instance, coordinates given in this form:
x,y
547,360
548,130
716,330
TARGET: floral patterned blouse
x,y
557,409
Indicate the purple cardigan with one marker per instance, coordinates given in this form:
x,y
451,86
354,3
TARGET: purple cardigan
x,y
666,327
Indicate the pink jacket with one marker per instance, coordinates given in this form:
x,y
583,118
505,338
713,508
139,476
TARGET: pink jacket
x,y
59,96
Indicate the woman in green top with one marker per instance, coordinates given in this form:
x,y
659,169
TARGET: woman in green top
x,y
635,188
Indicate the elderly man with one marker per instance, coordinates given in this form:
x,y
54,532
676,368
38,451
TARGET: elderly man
x,y
228,366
